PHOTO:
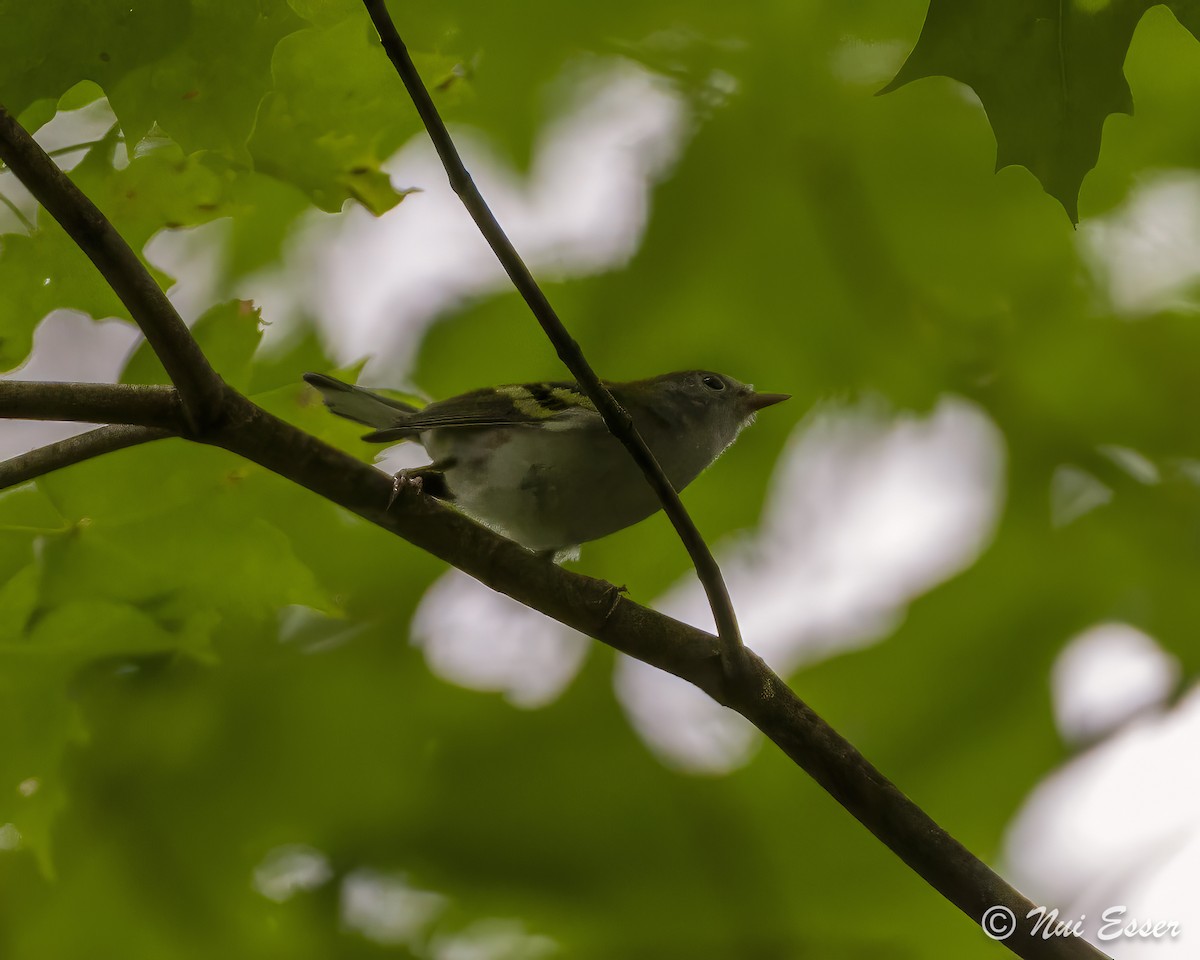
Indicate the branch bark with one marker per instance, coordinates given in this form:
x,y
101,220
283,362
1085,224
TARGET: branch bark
x,y
141,405
185,363
615,417
76,449
591,606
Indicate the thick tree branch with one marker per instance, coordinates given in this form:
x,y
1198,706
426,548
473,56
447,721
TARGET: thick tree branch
x,y
83,446
137,404
185,363
591,606
617,419
597,609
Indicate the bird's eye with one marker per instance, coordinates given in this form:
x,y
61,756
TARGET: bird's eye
x,y
712,382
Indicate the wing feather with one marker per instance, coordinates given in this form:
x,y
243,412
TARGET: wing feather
x,y
549,405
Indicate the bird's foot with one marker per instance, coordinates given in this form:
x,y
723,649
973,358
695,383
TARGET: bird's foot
x,y
402,479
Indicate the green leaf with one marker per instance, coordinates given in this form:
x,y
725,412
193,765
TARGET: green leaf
x,y
228,333
132,530
284,366
18,597
264,211
1187,12
337,111
326,12
204,92
159,188
196,68
39,718
26,509
1047,71
80,95
48,47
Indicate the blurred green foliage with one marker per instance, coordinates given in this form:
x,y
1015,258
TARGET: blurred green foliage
x,y
200,664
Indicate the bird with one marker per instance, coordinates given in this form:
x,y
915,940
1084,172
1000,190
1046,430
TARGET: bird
x,y
535,461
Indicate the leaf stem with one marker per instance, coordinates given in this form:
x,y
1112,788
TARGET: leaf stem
x,y
16,212
82,446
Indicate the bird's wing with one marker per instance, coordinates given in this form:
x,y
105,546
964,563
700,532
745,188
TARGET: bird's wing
x,y
550,405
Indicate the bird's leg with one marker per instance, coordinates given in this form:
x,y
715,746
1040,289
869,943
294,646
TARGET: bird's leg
x,y
430,480
402,479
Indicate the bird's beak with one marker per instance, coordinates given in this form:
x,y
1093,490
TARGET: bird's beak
x,y
759,400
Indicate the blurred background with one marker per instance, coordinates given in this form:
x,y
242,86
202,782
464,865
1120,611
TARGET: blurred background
x,y
233,718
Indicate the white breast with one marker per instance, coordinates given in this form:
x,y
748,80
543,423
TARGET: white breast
x,y
553,489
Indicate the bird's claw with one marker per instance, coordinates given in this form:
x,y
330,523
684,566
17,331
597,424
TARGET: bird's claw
x,y
401,480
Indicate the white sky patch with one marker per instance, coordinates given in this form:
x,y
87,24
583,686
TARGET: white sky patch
x,y
10,837
1167,892
375,283
383,907
483,640
288,870
192,257
1106,676
1145,255
492,939
865,512
1140,467
1120,825
67,346
65,129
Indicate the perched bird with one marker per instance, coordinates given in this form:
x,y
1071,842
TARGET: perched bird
x,y
535,462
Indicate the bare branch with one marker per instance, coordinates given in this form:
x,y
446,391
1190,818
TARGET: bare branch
x,y
595,608
199,385
617,419
138,404
83,446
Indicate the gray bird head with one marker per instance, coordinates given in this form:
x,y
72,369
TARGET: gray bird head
x,y
714,397
696,410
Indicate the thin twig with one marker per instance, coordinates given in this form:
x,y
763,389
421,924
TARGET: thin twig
x,y
76,147
83,446
126,403
199,385
85,145
617,419
16,212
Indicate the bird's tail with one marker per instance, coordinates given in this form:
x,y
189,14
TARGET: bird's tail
x,y
358,404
